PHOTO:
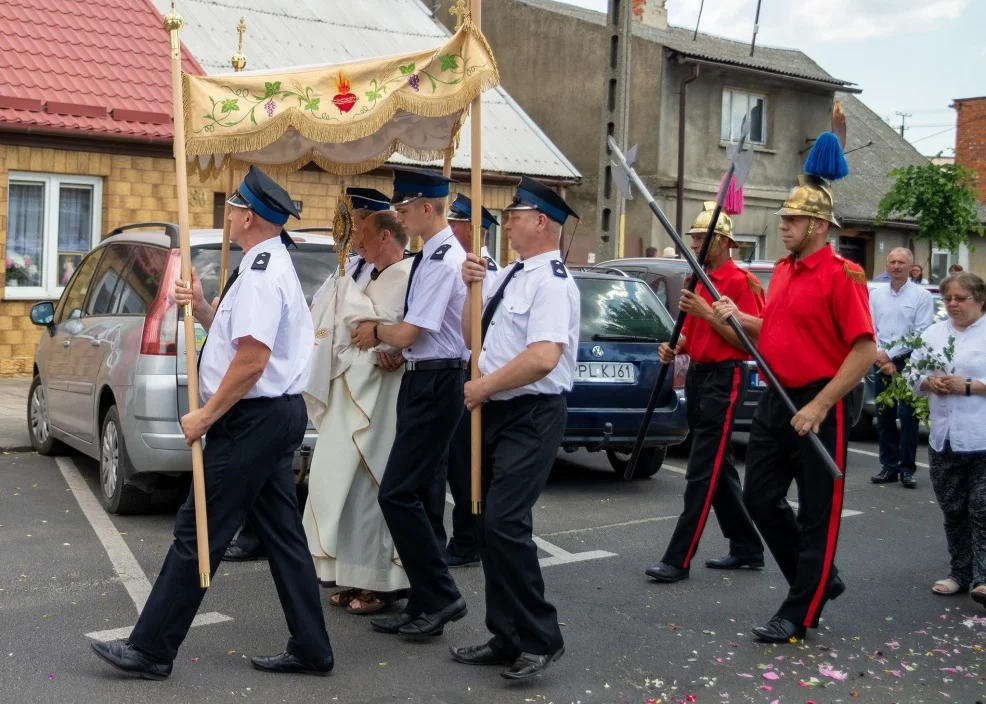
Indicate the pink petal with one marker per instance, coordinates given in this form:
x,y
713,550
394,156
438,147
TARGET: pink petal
x,y
771,676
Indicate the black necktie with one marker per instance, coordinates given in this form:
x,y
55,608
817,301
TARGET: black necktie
x,y
226,288
359,268
414,266
494,302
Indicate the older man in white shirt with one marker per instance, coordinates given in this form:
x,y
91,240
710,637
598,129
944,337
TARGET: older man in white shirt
x,y
898,309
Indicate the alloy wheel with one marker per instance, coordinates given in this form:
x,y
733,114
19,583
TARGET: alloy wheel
x,y
39,415
109,460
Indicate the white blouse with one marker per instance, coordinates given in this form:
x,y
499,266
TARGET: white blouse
x,y
954,417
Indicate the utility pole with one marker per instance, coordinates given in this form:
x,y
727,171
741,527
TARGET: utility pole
x,y
610,216
903,119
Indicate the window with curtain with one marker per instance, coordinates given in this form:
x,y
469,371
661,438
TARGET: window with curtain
x,y
737,104
52,221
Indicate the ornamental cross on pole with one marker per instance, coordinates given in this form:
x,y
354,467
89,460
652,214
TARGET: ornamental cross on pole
x,y
460,12
239,60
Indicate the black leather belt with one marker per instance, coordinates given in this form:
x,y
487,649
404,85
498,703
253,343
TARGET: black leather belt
x,y
433,365
729,364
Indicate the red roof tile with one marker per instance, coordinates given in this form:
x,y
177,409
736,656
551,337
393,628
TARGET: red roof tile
x,y
101,67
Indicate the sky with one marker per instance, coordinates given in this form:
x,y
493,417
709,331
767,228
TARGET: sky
x,y
907,56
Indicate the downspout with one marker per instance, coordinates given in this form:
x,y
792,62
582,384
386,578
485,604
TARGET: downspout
x,y
680,199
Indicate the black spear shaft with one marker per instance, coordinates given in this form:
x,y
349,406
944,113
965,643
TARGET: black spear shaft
x,y
829,463
638,444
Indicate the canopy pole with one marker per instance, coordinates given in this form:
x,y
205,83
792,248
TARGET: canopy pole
x,y
173,24
476,189
239,63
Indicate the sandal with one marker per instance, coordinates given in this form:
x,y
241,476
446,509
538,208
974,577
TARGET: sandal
x,y
367,602
950,587
344,597
979,594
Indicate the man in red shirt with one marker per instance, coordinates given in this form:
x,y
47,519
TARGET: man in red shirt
x,y
715,387
817,336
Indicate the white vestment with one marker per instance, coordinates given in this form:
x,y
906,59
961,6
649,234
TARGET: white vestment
x,y
353,404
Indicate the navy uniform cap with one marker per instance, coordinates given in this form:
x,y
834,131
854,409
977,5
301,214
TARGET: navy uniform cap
x,y
368,199
262,195
418,183
534,195
461,209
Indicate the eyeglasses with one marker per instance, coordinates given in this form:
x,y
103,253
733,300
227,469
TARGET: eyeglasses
x,y
955,299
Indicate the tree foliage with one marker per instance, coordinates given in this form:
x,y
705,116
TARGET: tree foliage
x,y
941,198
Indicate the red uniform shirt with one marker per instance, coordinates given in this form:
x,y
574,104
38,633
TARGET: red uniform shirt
x,y
702,343
817,308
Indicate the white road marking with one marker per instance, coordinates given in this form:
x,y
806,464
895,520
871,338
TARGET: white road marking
x,y
874,454
124,563
559,556
612,525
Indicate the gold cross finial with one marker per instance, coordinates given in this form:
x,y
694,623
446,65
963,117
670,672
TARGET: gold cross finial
x,y
460,12
173,21
239,59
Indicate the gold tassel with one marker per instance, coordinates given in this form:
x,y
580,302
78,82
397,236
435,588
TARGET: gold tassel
x,y
853,272
754,283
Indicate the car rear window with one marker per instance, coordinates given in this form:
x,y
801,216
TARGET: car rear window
x,y
615,307
313,262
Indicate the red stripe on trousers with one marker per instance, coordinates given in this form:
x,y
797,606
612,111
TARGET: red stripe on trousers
x,y
834,517
716,467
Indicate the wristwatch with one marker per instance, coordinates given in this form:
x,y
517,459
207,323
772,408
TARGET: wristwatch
x,y
968,386
377,338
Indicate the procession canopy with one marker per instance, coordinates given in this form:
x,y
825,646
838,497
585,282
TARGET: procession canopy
x,y
347,118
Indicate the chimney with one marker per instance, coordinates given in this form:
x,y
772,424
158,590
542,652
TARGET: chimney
x,y
652,13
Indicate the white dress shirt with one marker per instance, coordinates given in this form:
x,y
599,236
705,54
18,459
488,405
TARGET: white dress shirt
x,y
957,418
267,304
435,300
492,266
539,305
898,313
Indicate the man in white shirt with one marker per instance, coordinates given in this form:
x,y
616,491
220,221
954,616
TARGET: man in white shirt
x,y
900,308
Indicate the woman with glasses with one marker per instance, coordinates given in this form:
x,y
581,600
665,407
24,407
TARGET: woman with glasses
x,y
950,367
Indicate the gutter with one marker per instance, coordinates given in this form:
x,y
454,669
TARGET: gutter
x,y
680,195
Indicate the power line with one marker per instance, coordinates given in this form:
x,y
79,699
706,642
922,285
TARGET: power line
x,y
936,134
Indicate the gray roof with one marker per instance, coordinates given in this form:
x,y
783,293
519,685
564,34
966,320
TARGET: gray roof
x,y
858,195
291,33
785,62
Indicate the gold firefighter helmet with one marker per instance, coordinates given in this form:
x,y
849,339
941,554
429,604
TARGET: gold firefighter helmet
x,y
724,225
812,198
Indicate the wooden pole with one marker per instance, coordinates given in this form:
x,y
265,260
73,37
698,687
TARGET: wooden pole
x,y
173,23
476,188
239,63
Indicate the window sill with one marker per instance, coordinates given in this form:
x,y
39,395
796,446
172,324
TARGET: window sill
x,y
756,147
31,293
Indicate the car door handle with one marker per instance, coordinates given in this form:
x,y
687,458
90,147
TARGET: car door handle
x,y
94,343
67,343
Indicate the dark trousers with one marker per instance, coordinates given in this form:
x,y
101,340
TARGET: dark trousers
x,y
898,448
804,544
248,475
458,475
714,393
429,404
520,440
959,480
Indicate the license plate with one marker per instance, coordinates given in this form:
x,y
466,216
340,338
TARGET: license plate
x,y
605,372
756,382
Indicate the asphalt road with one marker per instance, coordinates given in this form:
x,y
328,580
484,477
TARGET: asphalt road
x,y
887,639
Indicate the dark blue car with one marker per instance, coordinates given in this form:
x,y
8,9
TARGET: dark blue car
x,y
617,366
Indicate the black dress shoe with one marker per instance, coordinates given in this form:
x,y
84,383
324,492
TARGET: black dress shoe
x,y
484,654
731,562
835,588
234,553
907,479
779,630
286,663
453,560
887,476
391,623
529,664
663,572
434,624
123,656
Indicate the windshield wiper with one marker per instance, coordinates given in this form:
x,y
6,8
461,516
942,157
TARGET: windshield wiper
x,y
622,338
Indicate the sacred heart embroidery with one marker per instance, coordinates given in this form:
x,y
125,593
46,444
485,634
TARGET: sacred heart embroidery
x,y
344,99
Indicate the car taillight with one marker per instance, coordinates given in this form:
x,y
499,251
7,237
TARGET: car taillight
x,y
160,336
681,363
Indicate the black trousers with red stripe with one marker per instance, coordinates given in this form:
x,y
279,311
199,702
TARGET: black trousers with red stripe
x,y
804,544
714,392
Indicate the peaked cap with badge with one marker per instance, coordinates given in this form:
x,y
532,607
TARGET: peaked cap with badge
x,y
261,194
534,195
418,183
368,199
461,211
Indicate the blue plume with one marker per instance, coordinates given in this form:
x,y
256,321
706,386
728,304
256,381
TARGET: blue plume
x,y
826,160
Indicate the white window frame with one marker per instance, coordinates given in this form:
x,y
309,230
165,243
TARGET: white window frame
x,y
51,288
727,97
756,241
951,257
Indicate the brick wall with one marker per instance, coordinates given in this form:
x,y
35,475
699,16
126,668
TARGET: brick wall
x,y
136,189
970,139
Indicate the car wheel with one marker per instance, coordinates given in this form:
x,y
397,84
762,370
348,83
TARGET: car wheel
x,y
651,459
38,425
114,468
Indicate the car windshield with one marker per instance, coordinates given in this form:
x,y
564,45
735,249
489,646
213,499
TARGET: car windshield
x,y
313,262
621,310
